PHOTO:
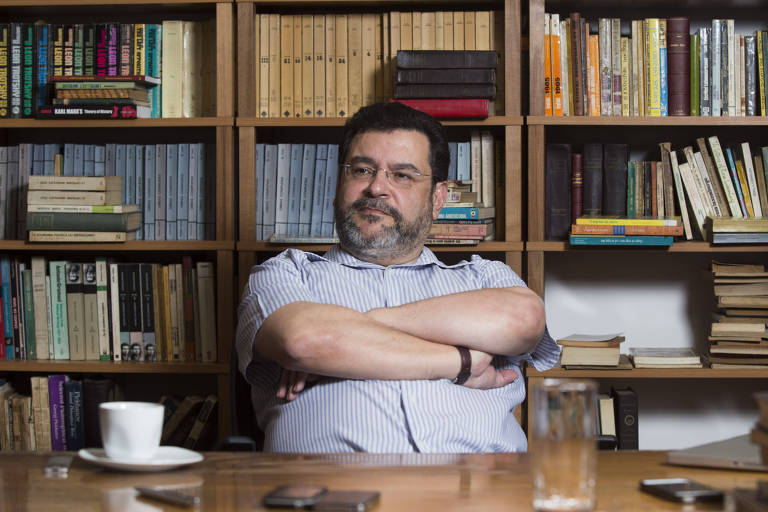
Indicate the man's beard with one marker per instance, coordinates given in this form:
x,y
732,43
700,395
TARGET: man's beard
x,y
401,238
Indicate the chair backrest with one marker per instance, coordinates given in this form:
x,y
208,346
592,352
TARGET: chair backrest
x,y
242,417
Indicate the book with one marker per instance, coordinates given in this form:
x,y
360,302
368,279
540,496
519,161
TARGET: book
x,y
442,108
558,190
75,311
207,310
605,229
615,157
444,91
670,356
145,80
57,409
616,220
595,356
431,59
466,213
591,340
74,197
740,238
60,221
445,76
621,240
625,411
105,110
74,424
606,414
60,183
81,236
203,423
191,404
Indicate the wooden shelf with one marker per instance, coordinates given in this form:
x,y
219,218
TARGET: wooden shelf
x,y
259,246
651,373
66,366
276,122
137,245
692,246
104,3
166,122
646,121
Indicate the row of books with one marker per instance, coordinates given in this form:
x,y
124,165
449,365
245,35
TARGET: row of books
x,y
603,351
654,67
617,419
697,183
171,185
296,185
738,337
183,52
329,65
62,414
102,310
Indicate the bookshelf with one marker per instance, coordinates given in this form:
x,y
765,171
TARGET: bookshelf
x,y
639,132
506,128
217,130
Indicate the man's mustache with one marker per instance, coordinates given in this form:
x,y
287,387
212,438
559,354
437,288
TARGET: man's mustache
x,y
378,204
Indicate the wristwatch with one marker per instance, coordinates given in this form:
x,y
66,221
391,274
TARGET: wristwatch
x,y
466,366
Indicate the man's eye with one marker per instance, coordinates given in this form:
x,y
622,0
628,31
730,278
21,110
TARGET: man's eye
x,y
362,171
402,177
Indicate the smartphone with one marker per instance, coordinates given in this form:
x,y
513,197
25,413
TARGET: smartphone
x,y
294,496
357,501
680,489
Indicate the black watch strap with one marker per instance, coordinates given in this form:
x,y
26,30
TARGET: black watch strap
x,y
466,366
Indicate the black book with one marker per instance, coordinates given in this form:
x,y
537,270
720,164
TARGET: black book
x,y
89,49
593,179
615,179
625,408
95,391
431,59
42,62
648,189
28,86
74,425
15,71
558,191
4,70
405,91
445,76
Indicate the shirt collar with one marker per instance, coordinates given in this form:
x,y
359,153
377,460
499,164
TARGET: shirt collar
x,y
338,255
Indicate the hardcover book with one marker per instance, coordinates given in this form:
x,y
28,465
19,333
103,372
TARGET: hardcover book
x,y
625,409
431,59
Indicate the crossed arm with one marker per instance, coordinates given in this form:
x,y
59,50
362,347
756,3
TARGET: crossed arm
x,y
408,342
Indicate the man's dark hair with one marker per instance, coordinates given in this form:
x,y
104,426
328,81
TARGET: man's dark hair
x,y
387,117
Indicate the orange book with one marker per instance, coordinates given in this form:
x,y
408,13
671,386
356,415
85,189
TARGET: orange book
x,y
593,70
547,68
744,188
557,75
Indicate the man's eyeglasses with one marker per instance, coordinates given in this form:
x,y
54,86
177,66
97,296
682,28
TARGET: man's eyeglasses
x,y
402,178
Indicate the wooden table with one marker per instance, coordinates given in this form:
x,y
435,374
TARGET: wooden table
x,y
439,483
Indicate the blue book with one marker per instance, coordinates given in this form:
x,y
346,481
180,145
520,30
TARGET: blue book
x,y
69,160
621,240
78,166
5,290
258,188
25,169
160,195
38,159
269,192
182,191
453,148
736,184
56,397
318,191
294,189
49,158
149,192
466,213
463,171
139,184
171,194
153,45
12,192
663,71
192,193
120,167
42,35
331,177
110,164
281,193
99,160
74,422
203,196
89,160
306,187
129,184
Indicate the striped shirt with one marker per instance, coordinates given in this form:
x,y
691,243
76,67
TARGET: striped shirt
x,y
396,416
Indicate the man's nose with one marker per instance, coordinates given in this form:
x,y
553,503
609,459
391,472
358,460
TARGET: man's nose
x,y
379,184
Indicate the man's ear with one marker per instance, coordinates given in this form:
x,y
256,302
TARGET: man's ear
x,y
439,196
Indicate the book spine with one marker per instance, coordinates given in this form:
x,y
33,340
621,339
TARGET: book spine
x,y
30,341
147,286
171,191
75,311
57,408
39,304
59,310
306,189
557,178
749,74
445,91
74,425
621,240
91,312
5,82
577,187
15,69
115,318
615,158
102,307
182,188
547,66
5,288
679,58
258,192
615,66
448,108
654,68
29,86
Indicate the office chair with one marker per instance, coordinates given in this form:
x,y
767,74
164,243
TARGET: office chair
x,y
246,436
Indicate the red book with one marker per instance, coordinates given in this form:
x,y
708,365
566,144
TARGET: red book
x,y
678,64
442,108
106,111
577,187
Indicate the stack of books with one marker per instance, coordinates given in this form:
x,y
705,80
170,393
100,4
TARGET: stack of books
x,y
79,209
759,433
592,350
446,83
616,230
732,230
665,357
101,97
738,336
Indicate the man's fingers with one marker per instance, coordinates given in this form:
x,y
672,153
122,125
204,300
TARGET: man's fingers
x,y
299,381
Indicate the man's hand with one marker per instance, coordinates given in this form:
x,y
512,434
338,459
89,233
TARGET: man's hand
x,y
292,383
485,376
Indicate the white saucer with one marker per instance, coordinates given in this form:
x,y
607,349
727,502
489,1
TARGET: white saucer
x,y
167,457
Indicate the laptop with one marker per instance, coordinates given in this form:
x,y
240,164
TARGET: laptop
x,y
734,453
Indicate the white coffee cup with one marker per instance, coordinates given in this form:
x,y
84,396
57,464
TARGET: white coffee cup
x,y
131,430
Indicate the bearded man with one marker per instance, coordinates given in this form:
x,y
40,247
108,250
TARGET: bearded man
x,y
378,346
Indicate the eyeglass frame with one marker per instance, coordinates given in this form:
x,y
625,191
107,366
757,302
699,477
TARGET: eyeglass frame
x,y
347,166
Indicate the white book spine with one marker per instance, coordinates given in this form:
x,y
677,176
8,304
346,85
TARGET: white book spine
x,y
680,195
258,188
487,158
102,306
698,182
714,206
725,177
749,170
283,186
160,158
114,302
699,212
39,306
